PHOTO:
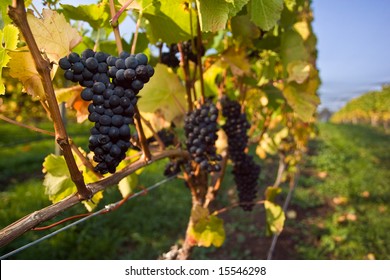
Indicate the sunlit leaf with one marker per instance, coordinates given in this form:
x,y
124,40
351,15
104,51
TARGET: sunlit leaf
x,y
8,39
303,29
298,71
272,192
275,217
164,94
168,21
58,183
265,13
4,18
208,231
127,185
55,38
304,104
292,48
237,60
214,15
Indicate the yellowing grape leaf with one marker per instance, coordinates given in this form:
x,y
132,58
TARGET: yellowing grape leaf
x,y
271,193
55,37
8,39
207,231
275,217
164,94
237,60
127,185
298,71
303,103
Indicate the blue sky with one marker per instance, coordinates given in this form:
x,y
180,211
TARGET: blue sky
x,y
354,47
353,44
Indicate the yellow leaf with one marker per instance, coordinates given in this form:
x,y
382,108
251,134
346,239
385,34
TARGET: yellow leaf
x,y
53,34
303,29
298,71
55,38
198,213
275,217
237,61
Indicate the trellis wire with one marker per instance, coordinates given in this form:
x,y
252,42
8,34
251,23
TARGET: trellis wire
x,y
107,208
285,206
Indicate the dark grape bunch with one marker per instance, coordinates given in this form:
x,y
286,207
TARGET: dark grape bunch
x,y
201,132
111,84
170,58
166,135
245,170
173,167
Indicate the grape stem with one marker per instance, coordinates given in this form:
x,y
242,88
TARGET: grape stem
x,y
33,128
17,13
141,134
155,135
115,27
186,71
216,180
115,18
199,58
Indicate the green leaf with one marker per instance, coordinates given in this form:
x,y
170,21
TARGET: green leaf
x,y
58,183
303,103
244,30
272,192
163,94
275,217
169,21
214,14
290,4
208,231
57,178
56,166
127,185
97,15
4,18
265,13
8,41
292,48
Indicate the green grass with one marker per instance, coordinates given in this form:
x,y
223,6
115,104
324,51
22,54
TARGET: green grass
x,y
22,151
355,160
142,228
352,201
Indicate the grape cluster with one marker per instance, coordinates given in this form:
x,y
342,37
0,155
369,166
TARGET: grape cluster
x,y
173,167
201,132
245,170
170,58
166,135
111,84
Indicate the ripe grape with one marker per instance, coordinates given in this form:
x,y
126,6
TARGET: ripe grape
x,y
198,126
245,170
111,85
